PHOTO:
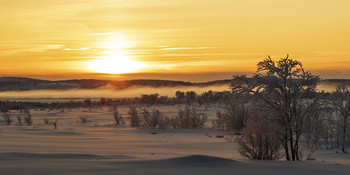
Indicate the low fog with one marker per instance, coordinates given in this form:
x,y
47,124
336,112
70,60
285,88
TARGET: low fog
x,y
108,92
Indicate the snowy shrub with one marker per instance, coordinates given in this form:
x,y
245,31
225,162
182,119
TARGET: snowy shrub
x,y
164,122
134,116
117,117
7,118
19,121
259,141
28,119
55,124
151,119
189,118
46,121
83,119
232,118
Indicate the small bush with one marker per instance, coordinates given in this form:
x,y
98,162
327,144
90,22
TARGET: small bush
x,y
134,116
117,117
259,141
164,122
186,118
189,118
28,119
83,119
55,124
7,118
232,118
19,121
46,121
220,122
151,119
146,116
174,122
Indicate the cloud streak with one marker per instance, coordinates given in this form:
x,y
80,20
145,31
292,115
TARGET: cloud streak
x,y
186,48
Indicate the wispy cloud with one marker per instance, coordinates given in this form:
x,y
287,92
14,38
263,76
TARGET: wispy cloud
x,y
101,34
85,48
213,54
331,52
43,48
186,48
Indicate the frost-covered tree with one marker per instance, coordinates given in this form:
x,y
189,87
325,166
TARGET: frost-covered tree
x,y
28,119
259,140
233,116
286,90
341,106
135,120
118,118
7,118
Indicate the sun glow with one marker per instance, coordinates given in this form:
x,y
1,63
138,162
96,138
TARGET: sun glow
x,y
115,59
115,63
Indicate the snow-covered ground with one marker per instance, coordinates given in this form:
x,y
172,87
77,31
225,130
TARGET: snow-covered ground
x,y
99,147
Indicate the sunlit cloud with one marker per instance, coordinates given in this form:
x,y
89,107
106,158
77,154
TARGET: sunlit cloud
x,y
186,48
57,46
42,48
115,42
101,34
213,54
84,48
331,52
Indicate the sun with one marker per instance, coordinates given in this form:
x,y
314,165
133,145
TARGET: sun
x,y
115,59
115,63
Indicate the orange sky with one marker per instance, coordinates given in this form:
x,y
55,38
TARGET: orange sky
x,y
165,39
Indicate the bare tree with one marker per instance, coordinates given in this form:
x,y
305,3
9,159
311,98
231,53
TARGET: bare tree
x,y
118,118
314,131
83,119
146,116
46,121
55,124
164,122
7,118
287,90
190,96
341,105
220,122
180,95
19,121
189,118
235,112
259,141
134,116
28,119
155,117
151,119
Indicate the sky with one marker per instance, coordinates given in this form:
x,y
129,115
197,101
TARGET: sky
x,y
190,40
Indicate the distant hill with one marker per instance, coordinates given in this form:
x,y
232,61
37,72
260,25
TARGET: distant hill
x,y
24,84
336,81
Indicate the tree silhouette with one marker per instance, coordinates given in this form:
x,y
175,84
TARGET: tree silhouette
x,y
341,106
287,91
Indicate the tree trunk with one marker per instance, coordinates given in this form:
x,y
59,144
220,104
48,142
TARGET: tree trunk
x,y
291,144
297,149
343,139
285,145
